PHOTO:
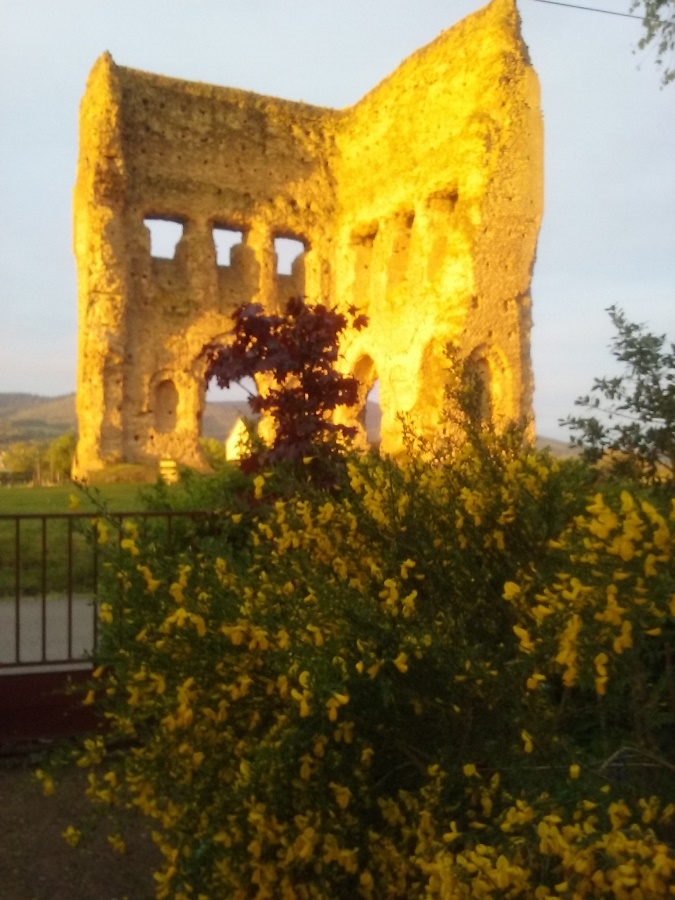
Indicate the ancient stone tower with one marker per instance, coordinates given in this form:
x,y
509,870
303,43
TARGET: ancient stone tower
x,y
420,205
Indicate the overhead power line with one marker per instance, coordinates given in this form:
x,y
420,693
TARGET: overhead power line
x,y
607,12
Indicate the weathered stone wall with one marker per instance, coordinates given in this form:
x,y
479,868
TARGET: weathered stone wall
x,y
420,205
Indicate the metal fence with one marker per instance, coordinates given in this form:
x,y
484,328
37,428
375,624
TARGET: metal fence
x,y
50,567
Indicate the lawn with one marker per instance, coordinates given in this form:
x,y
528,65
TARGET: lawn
x,y
22,500
52,536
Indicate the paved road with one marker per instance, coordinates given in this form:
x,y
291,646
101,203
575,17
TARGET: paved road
x,y
56,632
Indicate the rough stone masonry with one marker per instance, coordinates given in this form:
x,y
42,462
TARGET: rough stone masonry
x,y
420,206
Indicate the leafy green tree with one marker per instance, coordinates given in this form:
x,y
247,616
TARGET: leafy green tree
x,y
24,460
59,457
635,411
659,29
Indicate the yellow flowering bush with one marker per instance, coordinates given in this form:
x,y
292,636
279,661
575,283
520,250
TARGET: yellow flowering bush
x,y
358,692
597,622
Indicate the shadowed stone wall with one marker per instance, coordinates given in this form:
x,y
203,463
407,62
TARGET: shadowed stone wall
x,y
420,205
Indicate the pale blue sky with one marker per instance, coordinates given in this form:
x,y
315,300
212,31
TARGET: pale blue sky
x,y
609,225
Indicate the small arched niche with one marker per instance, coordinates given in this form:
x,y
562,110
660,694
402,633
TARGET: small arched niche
x,y
166,406
478,382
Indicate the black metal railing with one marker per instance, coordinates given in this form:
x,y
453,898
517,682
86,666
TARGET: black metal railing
x,y
50,566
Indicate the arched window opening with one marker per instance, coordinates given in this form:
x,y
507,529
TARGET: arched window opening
x,y
287,250
222,424
224,239
166,406
236,393
164,237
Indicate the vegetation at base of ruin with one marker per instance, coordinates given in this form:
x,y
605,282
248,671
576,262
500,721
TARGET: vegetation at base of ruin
x,y
292,355
659,32
632,429
450,675
214,452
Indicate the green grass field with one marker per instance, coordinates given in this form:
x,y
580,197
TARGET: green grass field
x,y
22,500
55,577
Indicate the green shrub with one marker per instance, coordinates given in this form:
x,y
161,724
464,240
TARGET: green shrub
x,y
396,687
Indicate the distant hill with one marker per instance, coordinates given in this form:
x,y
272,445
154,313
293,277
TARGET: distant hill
x,y
31,417
561,449
220,416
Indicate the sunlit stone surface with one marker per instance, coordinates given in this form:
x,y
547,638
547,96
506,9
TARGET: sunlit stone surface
x,y
420,206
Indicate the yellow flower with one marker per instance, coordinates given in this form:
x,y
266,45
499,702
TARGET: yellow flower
x,y
602,678
303,699
72,836
618,813
306,762
101,531
575,771
129,544
46,781
335,702
523,636
406,567
511,590
409,604
470,771
258,484
236,518
116,841
534,681
131,529
625,639
401,662
236,633
453,834
151,583
342,794
176,591
316,634
528,746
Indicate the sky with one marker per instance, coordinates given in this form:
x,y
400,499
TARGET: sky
x,y
608,234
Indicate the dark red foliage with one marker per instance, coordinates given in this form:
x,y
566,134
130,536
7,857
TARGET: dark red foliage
x,y
299,350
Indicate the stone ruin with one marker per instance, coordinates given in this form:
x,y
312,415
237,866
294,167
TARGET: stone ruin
x,y
420,205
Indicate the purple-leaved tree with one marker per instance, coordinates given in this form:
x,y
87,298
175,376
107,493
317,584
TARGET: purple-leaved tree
x,y
298,350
